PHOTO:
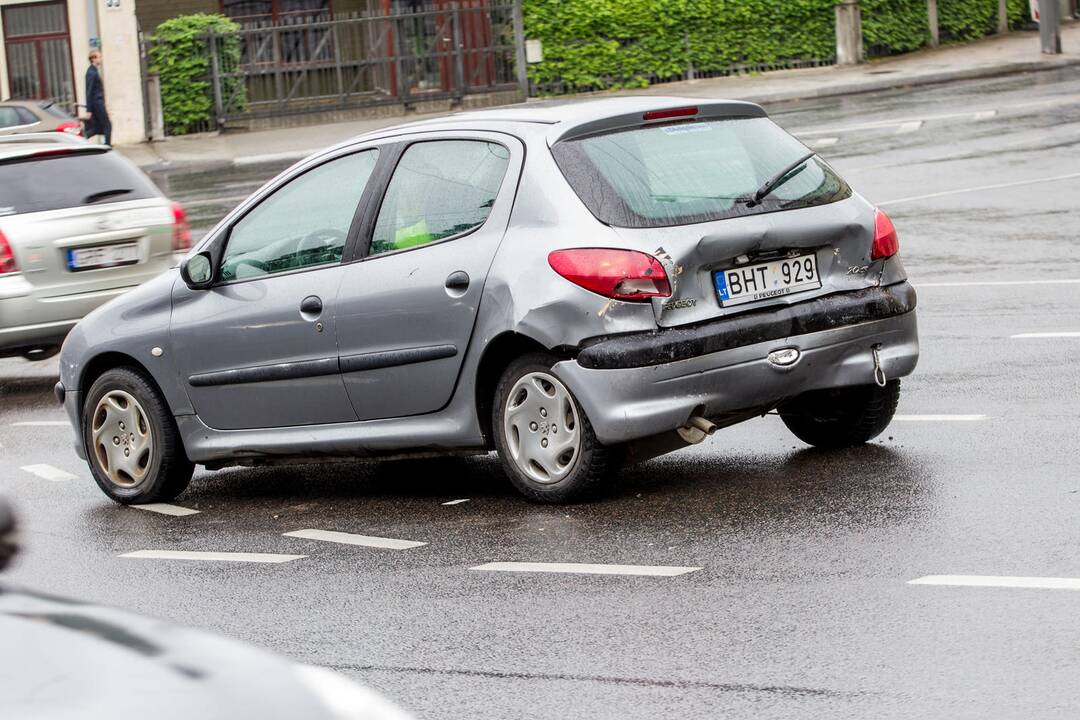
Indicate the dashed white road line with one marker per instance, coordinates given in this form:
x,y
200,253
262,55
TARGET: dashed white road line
x,y
1027,336
909,127
939,418
587,569
1002,283
48,472
980,188
457,502
212,556
42,423
983,115
351,539
823,142
1004,581
167,509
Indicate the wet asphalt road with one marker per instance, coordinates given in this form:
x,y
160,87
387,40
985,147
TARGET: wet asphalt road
x,y
802,607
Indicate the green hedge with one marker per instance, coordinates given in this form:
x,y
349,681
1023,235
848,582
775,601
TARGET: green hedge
x,y
596,44
180,55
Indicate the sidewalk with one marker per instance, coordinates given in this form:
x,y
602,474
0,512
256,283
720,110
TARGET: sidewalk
x,y
1012,53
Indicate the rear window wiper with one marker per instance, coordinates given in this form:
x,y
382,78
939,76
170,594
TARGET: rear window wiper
x,y
777,180
102,194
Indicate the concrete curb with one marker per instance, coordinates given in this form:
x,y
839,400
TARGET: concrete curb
x,y
139,153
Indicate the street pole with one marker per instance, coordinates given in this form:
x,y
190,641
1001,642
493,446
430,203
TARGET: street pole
x,y
932,19
1049,30
1003,16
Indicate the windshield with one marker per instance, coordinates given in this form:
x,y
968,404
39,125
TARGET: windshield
x,y
693,172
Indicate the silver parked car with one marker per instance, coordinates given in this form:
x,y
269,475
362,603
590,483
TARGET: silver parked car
x,y
79,225
572,285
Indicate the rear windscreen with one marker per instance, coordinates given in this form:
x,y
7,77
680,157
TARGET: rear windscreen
x,y
66,181
691,172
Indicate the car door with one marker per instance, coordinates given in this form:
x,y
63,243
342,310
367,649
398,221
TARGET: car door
x,y
406,309
258,349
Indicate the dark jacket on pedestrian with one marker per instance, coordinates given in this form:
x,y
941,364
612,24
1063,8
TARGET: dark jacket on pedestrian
x,y
98,124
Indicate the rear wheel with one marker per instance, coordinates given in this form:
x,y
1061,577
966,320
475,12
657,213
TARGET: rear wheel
x,y
546,444
841,417
132,444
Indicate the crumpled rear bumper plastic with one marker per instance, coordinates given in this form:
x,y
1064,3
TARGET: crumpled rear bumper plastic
x,y
646,394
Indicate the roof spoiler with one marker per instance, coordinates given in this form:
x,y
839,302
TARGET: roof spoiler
x,y
688,109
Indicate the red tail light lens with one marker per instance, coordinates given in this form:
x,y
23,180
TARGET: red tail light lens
x,y
669,114
7,257
886,244
71,127
620,274
181,234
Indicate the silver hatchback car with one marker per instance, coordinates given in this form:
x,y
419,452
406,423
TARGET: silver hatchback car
x,y
79,225
572,285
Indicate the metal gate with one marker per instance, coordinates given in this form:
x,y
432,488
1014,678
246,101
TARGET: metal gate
x,y
436,50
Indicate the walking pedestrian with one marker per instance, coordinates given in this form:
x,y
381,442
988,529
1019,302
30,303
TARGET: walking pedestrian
x,y
98,120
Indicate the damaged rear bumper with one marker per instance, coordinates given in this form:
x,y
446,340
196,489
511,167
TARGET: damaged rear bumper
x,y
636,386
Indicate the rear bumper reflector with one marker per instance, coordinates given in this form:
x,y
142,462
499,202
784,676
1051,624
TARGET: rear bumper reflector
x,y
774,323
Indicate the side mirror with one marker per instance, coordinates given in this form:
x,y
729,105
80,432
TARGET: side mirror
x,y
198,271
8,544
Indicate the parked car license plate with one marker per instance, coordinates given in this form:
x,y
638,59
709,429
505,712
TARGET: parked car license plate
x,y
102,256
766,280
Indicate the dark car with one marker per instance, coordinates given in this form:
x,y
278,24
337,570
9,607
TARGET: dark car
x,y
63,658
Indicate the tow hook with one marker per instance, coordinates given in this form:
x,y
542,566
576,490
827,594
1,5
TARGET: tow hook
x,y
879,373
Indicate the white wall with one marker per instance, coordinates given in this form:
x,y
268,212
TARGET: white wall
x,y
122,74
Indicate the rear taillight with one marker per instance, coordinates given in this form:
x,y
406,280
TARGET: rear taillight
x,y
886,244
619,274
71,127
7,257
181,234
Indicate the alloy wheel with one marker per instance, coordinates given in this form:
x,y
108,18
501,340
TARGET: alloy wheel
x,y
123,440
541,425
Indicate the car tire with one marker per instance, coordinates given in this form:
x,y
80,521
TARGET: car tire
x,y
123,411
531,408
841,417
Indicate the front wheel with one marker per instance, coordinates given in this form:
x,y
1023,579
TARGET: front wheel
x,y
132,444
841,417
546,444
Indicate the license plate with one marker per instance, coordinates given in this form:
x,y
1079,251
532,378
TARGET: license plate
x,y
735,286
102,256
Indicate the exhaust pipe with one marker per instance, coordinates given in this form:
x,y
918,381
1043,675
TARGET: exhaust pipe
x,y
696,429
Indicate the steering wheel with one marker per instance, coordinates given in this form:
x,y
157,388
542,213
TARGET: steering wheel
x,y
259,265
320,239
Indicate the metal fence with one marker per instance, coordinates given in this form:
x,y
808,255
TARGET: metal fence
x,y
439,50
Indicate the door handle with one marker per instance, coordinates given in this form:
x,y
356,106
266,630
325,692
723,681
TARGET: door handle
x,y
311,306
458,280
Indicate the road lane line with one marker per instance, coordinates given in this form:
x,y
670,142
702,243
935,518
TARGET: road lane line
x,y
980,188
1027,336
983,115
351,539
42,423
587,569
823,142
457,502
1040,583
167,509
992,283
909,127
939,418
48,472
212,556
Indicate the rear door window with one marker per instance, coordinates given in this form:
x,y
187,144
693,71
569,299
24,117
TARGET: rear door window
x,y
54,182
440,188
684,173
9,117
